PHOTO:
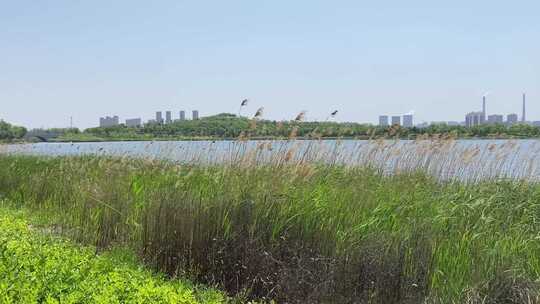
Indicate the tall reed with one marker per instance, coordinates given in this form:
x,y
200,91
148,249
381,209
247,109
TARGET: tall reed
x,y
442,157
274,222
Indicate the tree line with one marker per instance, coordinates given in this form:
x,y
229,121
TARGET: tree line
x,y
231,126
10,132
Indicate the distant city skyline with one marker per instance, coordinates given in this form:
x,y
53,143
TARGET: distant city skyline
x,y
473,118
86,59
111,121
418,119
407,120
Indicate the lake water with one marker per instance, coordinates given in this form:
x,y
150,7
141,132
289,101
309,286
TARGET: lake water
x,y
446,159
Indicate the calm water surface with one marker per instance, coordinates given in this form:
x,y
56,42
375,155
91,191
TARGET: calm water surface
x,y
463,159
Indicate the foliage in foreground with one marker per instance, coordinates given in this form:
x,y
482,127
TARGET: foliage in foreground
x,y
297,233
35,268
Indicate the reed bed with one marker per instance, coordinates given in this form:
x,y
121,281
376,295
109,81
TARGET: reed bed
x,y
428,221
443,158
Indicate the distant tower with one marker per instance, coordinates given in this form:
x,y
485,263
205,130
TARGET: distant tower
x,y
182,115
168,117
484,107
195,115
396,120
383,120
159,117
523,117
408,120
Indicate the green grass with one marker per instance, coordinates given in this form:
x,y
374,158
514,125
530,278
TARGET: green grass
x,y
296,232
39,268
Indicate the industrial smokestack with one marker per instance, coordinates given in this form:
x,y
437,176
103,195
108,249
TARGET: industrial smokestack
x,y
484,107
523,116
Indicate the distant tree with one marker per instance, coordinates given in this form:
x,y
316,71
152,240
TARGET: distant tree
x,y
9,132
227,125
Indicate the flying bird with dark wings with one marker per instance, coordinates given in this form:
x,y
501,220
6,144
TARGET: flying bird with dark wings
x,y
242,104
300,116
259,112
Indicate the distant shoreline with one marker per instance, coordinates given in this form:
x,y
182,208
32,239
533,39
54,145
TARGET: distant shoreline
x,y
252,139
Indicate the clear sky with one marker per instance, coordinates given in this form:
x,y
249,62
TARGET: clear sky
x,y
88,59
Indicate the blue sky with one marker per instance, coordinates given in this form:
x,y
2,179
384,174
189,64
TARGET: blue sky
x,y
130,58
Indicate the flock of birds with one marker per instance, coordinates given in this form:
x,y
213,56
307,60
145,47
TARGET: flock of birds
x,y
260,111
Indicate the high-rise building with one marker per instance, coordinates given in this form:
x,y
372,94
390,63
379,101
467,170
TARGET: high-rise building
x,y
168,117
495,119
195,114
408,121
182,115
474,119
396,120
108,121
383,120
134,122
511,119
159,117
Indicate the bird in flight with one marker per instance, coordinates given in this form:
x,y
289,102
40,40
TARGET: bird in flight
x,y
259,112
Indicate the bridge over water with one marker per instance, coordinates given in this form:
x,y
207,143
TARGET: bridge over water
x,y
41,135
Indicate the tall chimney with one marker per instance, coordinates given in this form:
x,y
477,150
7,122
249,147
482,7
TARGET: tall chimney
x,y
523,117
484,107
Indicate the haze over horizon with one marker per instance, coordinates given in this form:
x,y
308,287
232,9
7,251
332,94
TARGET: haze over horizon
x,y
132,58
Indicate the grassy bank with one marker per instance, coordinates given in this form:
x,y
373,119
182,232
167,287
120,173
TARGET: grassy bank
x,y
36,267
297,233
